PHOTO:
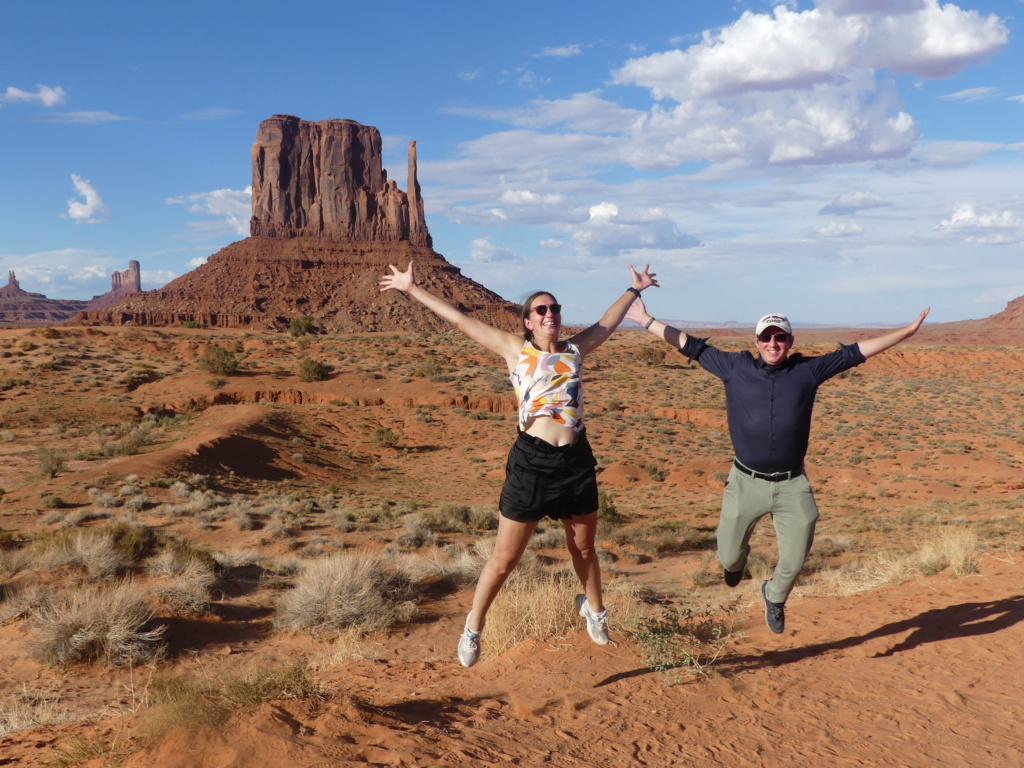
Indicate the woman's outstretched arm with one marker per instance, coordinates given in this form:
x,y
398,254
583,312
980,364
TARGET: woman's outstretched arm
x,y
591,338
498,341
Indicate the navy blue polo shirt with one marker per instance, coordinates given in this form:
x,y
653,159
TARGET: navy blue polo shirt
x,y
769,406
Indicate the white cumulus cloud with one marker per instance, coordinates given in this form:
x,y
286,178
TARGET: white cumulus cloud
x,y
841,229
484,250
986,227
233,206
92,210
611,230
44,95
802,87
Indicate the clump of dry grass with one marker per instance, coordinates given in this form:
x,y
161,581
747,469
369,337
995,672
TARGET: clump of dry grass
x,y
348,589
25,710
256,685
534,604
101,623
349,645
185,702
955,548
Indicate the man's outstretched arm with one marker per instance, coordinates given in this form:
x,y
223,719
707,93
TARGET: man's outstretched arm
x,y
638,314
870,347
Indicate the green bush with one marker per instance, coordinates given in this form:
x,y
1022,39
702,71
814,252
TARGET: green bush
x,y
51,462
384,437
313,370
302,325
219,361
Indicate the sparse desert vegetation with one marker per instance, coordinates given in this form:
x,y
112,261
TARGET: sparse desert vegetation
x,y
186,538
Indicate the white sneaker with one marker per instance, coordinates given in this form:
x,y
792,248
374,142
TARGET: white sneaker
x,y
597,623
469,646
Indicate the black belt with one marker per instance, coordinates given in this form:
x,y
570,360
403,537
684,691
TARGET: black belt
x,y
773,477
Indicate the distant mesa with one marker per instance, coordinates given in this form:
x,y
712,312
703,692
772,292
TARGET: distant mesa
x,y
326,222
19,307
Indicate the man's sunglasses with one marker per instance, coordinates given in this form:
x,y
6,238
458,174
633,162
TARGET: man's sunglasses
x,y
542,309
782,338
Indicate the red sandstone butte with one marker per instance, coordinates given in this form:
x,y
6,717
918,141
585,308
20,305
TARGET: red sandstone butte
x,y
326,222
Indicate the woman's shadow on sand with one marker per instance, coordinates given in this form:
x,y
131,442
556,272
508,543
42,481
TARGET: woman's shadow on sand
x,y
936,625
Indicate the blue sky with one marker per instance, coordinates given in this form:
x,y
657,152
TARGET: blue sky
x,y
845,161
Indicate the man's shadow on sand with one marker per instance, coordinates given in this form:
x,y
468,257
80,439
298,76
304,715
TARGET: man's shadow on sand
x,y
936,625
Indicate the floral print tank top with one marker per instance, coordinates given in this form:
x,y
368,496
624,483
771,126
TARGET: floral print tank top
x,y
550,384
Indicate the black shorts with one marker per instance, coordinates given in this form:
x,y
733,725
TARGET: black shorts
x,y
543,480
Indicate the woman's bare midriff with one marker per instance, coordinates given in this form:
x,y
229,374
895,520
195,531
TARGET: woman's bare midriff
x,y
550,431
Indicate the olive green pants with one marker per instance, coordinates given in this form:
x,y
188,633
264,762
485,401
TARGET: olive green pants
x,y
794,514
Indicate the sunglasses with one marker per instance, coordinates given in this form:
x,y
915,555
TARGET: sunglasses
x,y
542,309
782,338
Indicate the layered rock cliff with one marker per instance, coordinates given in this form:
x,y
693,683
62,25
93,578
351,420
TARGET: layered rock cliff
x,y
326,223
326,179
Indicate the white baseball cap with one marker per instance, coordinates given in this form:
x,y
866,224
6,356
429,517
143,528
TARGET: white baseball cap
x,y
778,321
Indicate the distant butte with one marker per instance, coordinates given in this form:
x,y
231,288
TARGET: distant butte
x,y
326,222
19,307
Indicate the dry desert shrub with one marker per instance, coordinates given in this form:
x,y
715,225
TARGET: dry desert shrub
x,y
20,602
458,518
190,581
93,550
348,589
452,568
101,623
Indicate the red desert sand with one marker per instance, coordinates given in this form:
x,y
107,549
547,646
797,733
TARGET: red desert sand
x,y
893,655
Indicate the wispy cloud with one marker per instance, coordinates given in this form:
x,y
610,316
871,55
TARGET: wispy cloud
x,y
214,113
84,116
851,202
231,205
92,210
44,95
562,51
971,94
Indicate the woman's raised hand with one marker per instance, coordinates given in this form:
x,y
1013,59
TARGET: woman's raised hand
x,y
643,279
398,281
